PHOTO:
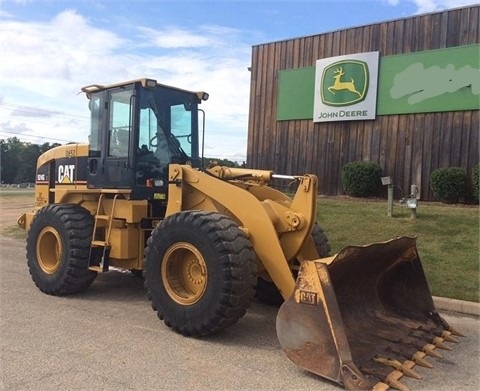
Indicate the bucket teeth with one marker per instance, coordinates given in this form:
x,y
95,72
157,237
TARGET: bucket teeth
x,y
405,367
447,336
419,359
392,381
407,370
457,333
438,342
388,378
429,350
380,386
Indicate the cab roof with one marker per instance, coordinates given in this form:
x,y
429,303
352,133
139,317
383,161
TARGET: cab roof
x,y
145,82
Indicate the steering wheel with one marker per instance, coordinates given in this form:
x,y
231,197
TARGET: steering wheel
x,y
153,142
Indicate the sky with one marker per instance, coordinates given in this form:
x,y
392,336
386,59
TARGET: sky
x,y
49,49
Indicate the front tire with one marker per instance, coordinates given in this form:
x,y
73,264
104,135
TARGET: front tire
x,y
199,271
58,249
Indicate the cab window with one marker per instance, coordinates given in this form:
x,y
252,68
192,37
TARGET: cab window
x,y
120,123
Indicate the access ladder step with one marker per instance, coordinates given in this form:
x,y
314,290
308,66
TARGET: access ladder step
x,y
101,256
99,243
98,269
102,221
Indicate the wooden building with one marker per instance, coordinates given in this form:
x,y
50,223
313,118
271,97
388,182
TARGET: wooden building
x,y
408,146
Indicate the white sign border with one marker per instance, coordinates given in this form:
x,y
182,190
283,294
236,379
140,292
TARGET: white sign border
x,y
365,110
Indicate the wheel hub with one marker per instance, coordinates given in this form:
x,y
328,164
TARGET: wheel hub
x,y
184,273
49,250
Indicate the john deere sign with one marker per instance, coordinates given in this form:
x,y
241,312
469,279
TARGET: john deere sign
x,y
337,90
346,88
421,82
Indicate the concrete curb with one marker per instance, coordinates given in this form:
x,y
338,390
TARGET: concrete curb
x,y
454,305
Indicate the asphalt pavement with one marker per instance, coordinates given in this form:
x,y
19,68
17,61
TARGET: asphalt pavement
x,y
108,338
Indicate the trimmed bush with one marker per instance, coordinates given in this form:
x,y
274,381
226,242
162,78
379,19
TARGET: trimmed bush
x,y
475,181
361,179
449,184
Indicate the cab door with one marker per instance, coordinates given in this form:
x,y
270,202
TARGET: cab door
x,y
118,161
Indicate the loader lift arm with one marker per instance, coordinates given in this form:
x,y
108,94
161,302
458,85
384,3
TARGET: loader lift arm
x,y
278,229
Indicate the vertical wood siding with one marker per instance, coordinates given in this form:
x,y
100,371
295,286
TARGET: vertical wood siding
x,y
407,147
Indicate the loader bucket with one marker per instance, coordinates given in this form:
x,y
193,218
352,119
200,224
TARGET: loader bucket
x,y
363,318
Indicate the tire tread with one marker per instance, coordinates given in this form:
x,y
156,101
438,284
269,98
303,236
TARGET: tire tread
x,y
76,224
238,265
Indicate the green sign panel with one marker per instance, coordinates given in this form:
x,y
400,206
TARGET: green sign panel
x,y
295,94
430,81
437,80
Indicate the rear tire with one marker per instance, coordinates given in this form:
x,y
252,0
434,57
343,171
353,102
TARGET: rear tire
x,y
268,293
58,249
199,271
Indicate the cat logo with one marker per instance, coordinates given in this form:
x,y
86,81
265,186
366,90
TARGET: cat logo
x,y
345,83
65,173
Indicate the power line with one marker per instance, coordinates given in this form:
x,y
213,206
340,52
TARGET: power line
x,y
32,122
38,117
35,136
37,111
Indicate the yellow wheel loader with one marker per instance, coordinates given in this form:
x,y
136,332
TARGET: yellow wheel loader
x,y
207,239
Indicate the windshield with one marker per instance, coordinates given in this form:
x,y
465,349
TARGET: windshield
x,y
168,129
168,124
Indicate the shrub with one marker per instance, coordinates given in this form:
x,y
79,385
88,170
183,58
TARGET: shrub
x,y
361,179
449,184
475,181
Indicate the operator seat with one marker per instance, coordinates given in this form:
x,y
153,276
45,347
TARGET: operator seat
x,y
121,148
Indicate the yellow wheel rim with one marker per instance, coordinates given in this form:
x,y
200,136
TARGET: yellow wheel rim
x,y
49,250
184,273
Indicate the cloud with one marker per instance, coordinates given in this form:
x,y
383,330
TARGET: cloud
x,y
59,52
426,6
216,62
175,38
27,111
44,64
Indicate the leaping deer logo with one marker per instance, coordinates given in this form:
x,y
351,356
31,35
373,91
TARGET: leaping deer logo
x,y
342,85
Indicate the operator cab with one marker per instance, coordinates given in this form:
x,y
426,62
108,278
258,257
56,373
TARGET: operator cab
x,y
137,129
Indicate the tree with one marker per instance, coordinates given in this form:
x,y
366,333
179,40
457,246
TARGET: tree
x,y
220,162
10,150
19,160
27,163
